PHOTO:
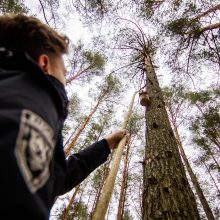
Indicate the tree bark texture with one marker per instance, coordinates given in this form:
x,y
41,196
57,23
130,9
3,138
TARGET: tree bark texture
x,y
167,193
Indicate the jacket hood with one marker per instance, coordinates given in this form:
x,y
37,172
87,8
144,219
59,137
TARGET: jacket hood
x,y
21,61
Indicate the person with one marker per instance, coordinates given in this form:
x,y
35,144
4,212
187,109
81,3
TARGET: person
x,y
33,108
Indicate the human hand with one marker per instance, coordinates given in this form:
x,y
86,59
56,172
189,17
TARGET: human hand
x,y
114,138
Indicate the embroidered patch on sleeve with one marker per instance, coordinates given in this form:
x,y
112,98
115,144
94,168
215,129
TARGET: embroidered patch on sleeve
x,y
34,149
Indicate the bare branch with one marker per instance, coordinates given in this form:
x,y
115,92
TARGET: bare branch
x,y
213,9
45,18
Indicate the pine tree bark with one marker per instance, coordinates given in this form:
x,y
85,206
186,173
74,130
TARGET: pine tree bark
x,y
167,193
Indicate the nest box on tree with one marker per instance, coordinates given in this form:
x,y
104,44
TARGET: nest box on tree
x,y
144,98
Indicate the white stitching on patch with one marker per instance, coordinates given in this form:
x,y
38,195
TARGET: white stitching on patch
x,y
34,149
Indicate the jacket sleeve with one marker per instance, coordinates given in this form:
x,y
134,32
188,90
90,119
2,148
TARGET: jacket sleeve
x,y
81,164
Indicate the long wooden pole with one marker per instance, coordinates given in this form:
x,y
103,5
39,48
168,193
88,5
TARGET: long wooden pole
x,y
103,203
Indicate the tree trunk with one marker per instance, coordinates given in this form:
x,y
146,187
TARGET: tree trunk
x,y
212,178
70,146
76,207
103,203
167,193
101,184
67,209
212,156
124,186
213,130
74,131
194,180
213,9
77,75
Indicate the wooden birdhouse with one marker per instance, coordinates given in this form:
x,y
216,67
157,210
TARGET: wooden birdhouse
x,y
144,98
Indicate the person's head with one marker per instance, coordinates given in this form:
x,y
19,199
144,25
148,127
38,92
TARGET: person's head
x,y
43,44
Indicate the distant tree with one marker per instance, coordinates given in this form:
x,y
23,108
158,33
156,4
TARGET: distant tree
x,y
108,188
194,31
92,134
49,10
127,215
92,11
174,100
12,6
124,185
205,126
84,64
98,183
68,209
107,90
133,129
80,211
74,116
188,36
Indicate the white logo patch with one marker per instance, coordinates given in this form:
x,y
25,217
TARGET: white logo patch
x,y
34,149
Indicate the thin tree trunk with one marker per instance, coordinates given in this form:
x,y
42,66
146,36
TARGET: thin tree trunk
x,y
215,141
167,193
203,29
215,8
209,27
78,74
124,186
89,197
213,157
67,209
193,177
103,203
105,174
76,207
70,146
212,178
194,180
45,17
74,131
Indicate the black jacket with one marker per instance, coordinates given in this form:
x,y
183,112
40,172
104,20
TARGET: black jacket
x,y
33,169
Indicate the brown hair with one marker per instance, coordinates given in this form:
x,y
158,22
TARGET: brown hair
x,y
27,33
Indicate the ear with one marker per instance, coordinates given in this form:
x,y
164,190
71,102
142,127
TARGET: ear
x,y
44,63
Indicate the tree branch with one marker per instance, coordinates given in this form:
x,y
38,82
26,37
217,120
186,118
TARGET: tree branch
x,y
213,9
44,12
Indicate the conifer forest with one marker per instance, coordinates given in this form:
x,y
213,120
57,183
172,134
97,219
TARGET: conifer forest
x,y
152,67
